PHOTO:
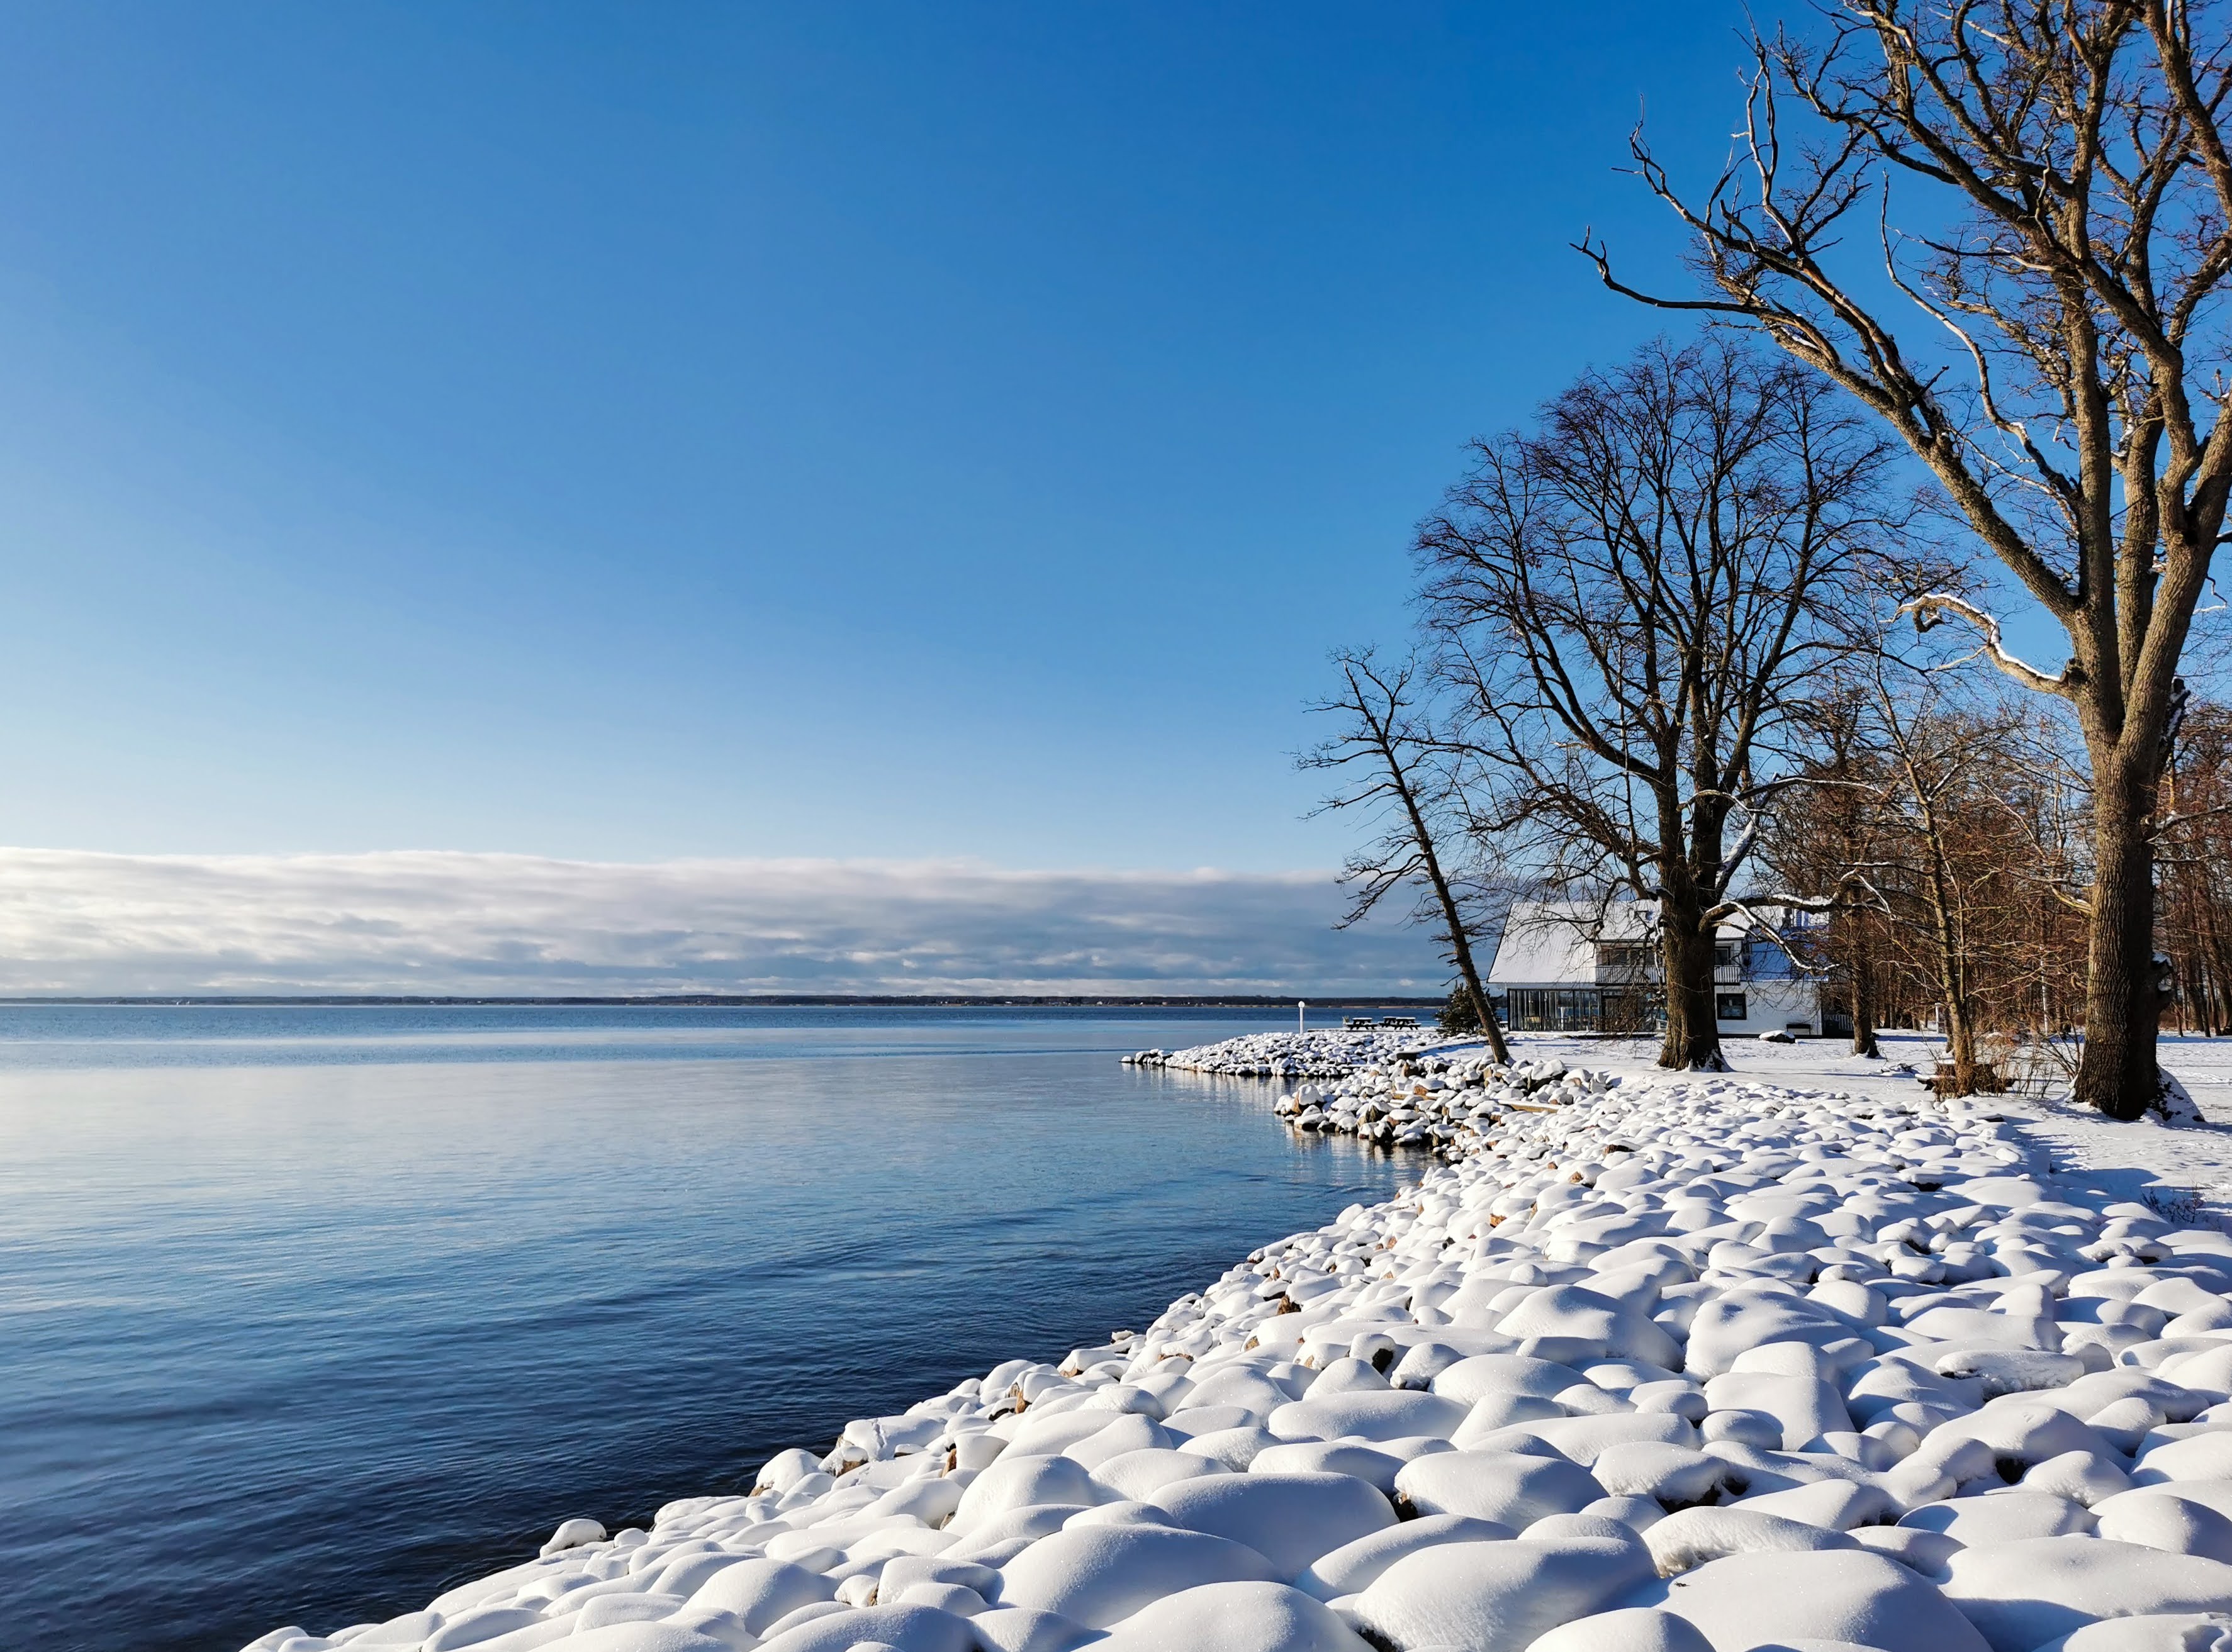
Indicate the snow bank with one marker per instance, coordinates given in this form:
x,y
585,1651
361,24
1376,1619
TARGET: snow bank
x,y
1695,1364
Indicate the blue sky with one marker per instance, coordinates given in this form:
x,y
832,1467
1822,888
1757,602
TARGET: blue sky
x,y
858,430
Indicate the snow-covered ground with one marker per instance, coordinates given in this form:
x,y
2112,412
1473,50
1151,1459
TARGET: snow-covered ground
x,y
1797,1357
2145,1160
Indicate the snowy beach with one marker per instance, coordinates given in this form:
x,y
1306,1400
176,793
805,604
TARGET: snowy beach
x,y
1797,1356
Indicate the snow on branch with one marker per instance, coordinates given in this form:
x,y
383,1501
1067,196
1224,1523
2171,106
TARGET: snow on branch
x,y
1930,612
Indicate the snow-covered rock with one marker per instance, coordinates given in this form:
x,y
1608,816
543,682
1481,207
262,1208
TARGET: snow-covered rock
x,y
1655,1365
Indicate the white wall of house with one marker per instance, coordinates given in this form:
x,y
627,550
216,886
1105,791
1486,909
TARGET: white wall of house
x,y
1550,947
1773,1005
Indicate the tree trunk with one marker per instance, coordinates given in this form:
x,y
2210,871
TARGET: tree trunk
x,y
2122,1010
1949,936
1693,1027
1461,944
1452,915
1864,992
1961,1047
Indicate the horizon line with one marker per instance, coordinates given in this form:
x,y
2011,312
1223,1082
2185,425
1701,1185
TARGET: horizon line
x,y
1224,1000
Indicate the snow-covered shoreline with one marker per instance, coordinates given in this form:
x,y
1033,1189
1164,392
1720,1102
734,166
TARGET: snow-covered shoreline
x,y
1648,1363
1322,1054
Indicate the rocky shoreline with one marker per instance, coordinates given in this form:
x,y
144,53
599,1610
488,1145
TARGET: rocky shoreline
x,y
1298,1055
1689,1364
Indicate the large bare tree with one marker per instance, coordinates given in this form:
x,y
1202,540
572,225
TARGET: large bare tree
x,y
1397,770
2064,373
1627,596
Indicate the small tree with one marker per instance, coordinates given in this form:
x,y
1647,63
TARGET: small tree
x,y
1628,598
1934,806
1457,1016
1398,769
2196,859
1828,830
1954,860
2078,199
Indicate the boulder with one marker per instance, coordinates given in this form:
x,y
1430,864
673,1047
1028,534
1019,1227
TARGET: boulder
x,y
1626,1628
2156,1632
1099,1574
1352,1567
760,1591
1020,1479
1365,1413
1695,1537
1581,1439
1360,1462
1024,1628
1137,1475
1289,1519
1726,1326
1510,1488
1130,1432
1234,1617
2022,1595
2162,1519
1571,1319
1500,1596
902,1629
2004,1517
1847,1595
1471,1380
2201,1456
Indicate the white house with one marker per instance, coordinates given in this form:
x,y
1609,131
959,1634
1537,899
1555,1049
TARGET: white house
x,y
1577,967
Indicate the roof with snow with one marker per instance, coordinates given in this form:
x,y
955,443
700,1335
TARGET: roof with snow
x,y
1554,943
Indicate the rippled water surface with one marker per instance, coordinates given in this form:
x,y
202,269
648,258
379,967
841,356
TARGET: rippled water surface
x,y
307,1312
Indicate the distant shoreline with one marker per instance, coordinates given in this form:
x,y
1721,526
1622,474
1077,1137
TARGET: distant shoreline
x,y
784,1001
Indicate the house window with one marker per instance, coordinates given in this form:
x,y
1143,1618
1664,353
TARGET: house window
x,y
1729,1007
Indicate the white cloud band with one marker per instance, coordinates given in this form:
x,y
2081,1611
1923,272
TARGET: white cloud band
x,y
442,923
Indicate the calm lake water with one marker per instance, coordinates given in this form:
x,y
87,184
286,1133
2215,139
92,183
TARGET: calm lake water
x,y
305,1313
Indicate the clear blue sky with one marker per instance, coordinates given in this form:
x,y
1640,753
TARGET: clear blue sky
x,y
630,431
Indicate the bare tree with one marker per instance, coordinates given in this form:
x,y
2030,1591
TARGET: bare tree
x,y
1402,772
2197,869
1825,834
1626,598
2065,380
1934,804
1952,866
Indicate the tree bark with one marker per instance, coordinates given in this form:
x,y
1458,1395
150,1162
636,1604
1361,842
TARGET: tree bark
x,y
1960,1046
1951,947
1452,914
2122,1010
1462,945
1693,1027
1864,992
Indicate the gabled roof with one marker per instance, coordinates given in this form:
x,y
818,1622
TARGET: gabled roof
x,y
1552,941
